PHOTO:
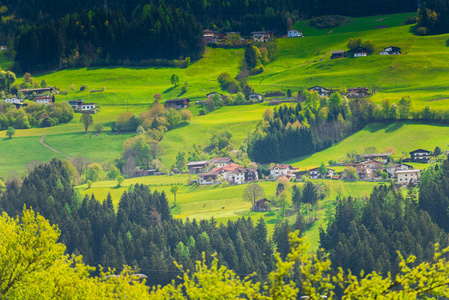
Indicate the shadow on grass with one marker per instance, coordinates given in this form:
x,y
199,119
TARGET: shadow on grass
x,y
169,89
116,187
394,127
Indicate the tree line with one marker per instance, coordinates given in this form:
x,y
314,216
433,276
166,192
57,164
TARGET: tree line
x,y
141,233
100,37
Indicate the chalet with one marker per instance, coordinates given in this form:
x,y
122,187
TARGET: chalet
x,y
221,161
208,178
3,48
391,50
197,166
338,54
261,36
294,33
366,169
320,90
45,100
391,170
88,107
359,51
277,171
421,156
262,205
256,97
314,174
76,104
376,156
406,176
358,92
177,103
30,92
13,100
210,36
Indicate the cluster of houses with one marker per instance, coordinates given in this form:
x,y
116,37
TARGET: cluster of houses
x,y
213,36
358,92
222,169
370,164
361,51
36,95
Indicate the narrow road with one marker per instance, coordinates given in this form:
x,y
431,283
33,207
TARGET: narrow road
x,y
51,148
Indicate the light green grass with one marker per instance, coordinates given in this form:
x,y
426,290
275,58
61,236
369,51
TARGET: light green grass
x,y
421,71
138,85
5,62
403,136
204,202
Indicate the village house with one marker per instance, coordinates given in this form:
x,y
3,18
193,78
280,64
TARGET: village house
x,y
420,156
177,103
256,97
391,50
208,178
314,174
3,48
391,170
366,170
406,176
45,100
221,161
88,107
294,33
210,36
358,92
322,92
338,54
376,156
261,36
277,171
359,51
13,100
195,167
76,104
30,92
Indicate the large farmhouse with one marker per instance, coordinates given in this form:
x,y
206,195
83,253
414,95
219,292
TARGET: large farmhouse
x,y
420,156
177,103
277,171
358,92
30,92
391,50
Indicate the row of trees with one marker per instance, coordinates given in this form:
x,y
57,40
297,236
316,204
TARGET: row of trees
x,y
142,233
106,38
34,114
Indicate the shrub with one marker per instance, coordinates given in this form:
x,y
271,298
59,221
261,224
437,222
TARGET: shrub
x,y
327,21
202,112
422,31
411,20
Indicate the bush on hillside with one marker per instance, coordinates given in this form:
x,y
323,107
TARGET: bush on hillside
x,y
422,31
411,20
327,21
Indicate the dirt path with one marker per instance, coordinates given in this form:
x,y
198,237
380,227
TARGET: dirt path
x,y
51,148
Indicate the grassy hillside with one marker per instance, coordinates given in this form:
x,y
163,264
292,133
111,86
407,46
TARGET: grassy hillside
x,y
138,85
355,24
223,204
404,137
420,72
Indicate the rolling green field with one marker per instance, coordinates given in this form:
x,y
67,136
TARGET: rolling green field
x,y
203,202
138,85
403,136
421,71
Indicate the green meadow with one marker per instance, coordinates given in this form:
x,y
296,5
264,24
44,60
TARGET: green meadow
x,y
137,85
403,136
204,202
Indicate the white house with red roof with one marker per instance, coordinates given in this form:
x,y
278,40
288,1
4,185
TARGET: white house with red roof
x,y
277,171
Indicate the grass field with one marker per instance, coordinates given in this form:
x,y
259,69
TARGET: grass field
x,y
403,136
204,202
138,85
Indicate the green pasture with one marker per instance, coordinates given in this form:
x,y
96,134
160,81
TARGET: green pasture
x,y
421,71
355,24
132,85
5,62
222,203
403,136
